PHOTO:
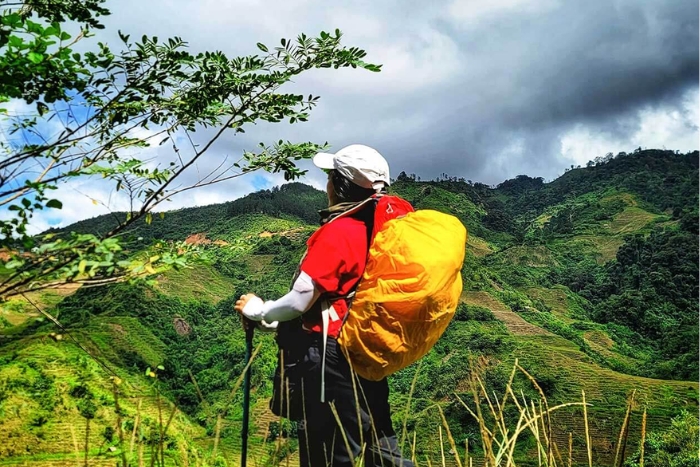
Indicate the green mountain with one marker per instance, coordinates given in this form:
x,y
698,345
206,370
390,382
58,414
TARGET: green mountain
x,y
589,281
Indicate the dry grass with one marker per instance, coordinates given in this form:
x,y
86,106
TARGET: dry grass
x,y
536,425
478,246
630,220
605,245
498,439
199,282
555,299
17,309
502,436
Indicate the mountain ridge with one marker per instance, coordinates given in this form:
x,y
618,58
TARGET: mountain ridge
x,y
546,285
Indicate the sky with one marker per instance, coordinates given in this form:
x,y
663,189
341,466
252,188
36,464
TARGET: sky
x,y
485,90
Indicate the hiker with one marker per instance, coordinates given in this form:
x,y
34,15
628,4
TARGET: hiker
x,y
317,375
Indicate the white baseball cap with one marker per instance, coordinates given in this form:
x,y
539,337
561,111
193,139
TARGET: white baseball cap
x,y
360,164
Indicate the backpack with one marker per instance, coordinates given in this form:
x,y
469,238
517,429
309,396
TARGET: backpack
x,y
409,290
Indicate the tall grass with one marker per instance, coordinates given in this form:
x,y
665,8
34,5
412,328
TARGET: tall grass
x,y
499,435
513,430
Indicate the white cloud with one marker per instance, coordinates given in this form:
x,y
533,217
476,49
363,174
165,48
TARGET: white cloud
x,y
670,127
420,60
582,144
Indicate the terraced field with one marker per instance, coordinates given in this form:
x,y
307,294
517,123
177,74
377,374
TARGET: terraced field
x,y
570,371
515,324
630,220
515,256
607,391
40,424
611,235
605,246
555,299
202,282
263,419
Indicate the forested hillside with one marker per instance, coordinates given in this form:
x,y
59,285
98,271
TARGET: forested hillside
x,y
590,281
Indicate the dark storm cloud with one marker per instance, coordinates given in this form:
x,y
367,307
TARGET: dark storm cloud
x,y
601,58
483,90
596,64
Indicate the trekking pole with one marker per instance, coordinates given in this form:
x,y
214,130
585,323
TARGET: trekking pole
x,y
249,331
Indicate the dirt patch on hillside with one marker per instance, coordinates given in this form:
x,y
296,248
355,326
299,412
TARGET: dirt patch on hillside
x,y
118,329
284,233
553,298
201,239
478,247
600,338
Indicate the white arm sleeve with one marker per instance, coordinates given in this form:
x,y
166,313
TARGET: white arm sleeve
x,y
303,294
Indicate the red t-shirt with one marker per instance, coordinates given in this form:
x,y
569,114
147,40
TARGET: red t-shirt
x,y
335,260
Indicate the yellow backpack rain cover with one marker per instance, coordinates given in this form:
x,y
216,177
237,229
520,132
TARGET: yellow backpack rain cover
x,y
409,290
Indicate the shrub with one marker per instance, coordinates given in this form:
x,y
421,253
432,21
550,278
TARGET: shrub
x,y
675,447
473,313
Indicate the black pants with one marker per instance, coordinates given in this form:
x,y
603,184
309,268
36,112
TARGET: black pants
x,y
361,409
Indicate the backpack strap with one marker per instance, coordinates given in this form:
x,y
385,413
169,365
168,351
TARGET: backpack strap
x,y
328,313
326,310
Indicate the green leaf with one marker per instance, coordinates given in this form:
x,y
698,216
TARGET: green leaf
x,y
123,37
54,203
15,41
13,264
41,108
35,57
12,20
262,47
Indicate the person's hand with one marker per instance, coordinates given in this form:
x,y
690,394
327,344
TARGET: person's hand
x,y
242,302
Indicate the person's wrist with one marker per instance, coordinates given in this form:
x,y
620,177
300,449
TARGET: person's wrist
x,y
253,309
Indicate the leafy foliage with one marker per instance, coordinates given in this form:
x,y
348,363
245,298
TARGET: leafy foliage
x,y
675,447
655,281
113,105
